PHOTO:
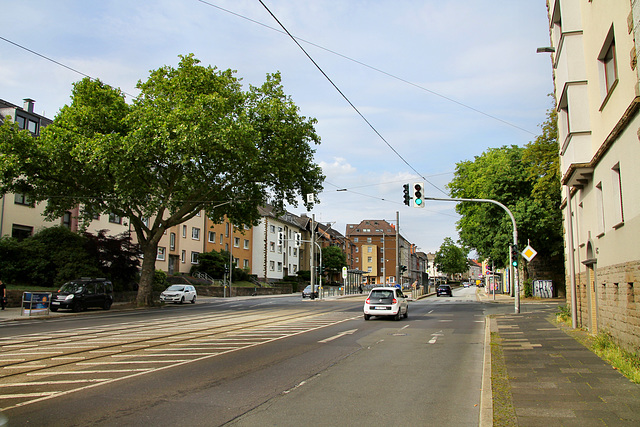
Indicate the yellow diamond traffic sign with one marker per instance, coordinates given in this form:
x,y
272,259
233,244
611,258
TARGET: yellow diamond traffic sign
x,y
529,253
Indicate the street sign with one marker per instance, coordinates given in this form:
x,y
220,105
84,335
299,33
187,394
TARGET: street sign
x,y
529,253
344,272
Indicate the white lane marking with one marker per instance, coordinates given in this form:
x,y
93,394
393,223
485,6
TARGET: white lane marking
x,y
341,334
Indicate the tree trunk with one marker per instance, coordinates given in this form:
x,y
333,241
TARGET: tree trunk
x,y
145,287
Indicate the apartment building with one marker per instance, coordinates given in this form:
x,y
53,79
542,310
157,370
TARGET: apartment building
x,y
597,91
20,217
272,261
225,236
374,251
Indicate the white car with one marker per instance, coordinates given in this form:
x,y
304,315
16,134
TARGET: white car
x,y
179,294
386,301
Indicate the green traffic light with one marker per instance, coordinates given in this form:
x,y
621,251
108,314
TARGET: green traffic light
x,y
418,201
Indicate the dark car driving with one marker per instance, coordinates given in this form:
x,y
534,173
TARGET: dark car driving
x,y
444,290
80,294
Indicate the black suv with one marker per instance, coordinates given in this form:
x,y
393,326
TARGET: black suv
x,y
444,290
80,294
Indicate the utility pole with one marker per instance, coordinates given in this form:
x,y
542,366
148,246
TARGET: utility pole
x,y
313,255
398,248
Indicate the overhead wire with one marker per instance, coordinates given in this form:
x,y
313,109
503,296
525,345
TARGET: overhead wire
x,y
371,67
348,100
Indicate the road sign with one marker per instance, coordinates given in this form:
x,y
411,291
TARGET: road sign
x,y
529,253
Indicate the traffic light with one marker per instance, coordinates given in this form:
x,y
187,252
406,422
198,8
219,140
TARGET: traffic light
x,y
418,196
297,240
514,256
281,238
407,197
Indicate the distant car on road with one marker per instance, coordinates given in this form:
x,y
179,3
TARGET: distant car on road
x,y
444,290
179,294
307,291
386,301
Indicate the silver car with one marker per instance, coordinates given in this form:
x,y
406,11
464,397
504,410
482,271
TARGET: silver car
x,y
386,301
179,294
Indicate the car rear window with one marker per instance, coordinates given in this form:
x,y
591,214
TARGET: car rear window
x,y
381,294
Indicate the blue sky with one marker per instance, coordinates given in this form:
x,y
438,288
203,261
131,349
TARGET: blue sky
x,y
442,80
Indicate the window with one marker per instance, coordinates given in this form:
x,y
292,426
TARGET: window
x,y
212,237
21,232
195,233
226,229
369,259
115,219
21,122
21,199
66,219
369,249
368,239
236,242
221,238
272,228
618,211
172,241
272,265
245,263
161,253
194,257
355,240
600,209
279,266
608,65
272,246
246,243
183,256
184,231
369,269
295,251
33,127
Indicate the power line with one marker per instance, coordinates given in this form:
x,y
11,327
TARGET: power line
x,y
59,63
347,99
371,68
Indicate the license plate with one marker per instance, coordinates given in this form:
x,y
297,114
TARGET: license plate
x,y
381,308
55,303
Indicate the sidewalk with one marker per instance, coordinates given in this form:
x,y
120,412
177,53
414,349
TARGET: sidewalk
x,y
553,380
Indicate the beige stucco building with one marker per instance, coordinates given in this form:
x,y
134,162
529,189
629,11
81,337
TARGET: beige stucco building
x,y
598,94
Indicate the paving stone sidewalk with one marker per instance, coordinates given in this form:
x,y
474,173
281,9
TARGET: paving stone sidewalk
x,y
557,381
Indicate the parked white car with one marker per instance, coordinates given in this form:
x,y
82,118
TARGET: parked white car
x,y
386,301
179,294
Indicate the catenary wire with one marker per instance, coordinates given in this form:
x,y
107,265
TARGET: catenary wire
x,y
349,101
348,58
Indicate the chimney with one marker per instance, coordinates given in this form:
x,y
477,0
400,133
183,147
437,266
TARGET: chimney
x,y
28,104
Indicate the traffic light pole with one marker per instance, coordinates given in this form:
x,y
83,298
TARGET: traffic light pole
x,y
514,283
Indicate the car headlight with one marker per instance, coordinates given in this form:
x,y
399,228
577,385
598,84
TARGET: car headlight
x,y
69,297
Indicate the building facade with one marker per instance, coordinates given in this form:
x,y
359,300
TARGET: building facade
x,y
598,97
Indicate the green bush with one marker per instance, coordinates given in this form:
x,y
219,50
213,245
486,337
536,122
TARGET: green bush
x,y
160,282
528,288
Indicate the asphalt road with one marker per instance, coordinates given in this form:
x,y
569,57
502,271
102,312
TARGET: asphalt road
x,y
274,361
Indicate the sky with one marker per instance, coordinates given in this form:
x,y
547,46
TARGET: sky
x,y
439,81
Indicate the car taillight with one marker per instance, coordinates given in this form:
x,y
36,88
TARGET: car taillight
x,y
367,301
394,301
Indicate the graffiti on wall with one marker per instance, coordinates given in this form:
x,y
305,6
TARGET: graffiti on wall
x,y
543,288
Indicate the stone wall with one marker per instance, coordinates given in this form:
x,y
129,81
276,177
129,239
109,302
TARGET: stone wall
x,y
618,302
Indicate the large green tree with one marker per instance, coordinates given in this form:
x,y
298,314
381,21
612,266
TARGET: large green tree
x,y
333,259
192,140
450,258
526,180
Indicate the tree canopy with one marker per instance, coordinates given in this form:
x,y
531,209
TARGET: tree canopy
x,y
527,181
451,259
192,140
